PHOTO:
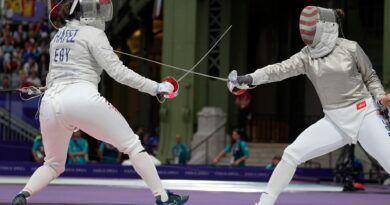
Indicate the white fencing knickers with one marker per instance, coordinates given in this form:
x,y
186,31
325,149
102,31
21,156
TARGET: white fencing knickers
x,y
65,108
323,137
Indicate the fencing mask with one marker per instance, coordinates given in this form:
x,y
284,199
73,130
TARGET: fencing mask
x,y
95,13
319,30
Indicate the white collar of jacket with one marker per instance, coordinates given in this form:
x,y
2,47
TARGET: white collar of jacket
x,y
74,22
324,40
97,24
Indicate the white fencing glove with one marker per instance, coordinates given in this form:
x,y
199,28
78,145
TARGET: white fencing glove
x,y
239,84
169,88
164,88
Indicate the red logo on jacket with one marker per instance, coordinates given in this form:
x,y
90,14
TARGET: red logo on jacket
x,y
361,105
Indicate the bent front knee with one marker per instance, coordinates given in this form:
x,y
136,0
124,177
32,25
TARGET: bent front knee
x,y
133,149
290,156
57,169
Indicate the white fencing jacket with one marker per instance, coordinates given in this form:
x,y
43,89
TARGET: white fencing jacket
x,y
80,53
342,78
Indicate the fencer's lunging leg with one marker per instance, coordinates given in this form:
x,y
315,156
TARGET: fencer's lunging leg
x,y
97,117
375,139
144,166
279,180
40,179
319,139
55,139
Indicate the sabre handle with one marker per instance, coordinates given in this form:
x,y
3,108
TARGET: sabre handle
x,y
168,89
171,80
245,80
238,85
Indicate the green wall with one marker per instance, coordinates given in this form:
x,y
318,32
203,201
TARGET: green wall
x,y
186,32
179,49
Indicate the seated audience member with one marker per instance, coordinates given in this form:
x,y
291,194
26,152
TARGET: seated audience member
x,y
2,56
155,138
147,143
275,161
5,84
78,149
180,152
30,66
238,150
109,154
34,79
38,151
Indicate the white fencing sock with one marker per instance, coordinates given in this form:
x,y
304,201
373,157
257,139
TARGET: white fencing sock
x,y
279,180
144,166
40,179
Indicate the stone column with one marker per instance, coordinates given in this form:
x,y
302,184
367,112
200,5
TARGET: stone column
x,y
211,126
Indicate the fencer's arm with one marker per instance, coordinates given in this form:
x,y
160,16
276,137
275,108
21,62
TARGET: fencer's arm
x,y
293,66
110,62
370,78
36,158
220,155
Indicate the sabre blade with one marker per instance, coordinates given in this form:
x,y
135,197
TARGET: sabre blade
x,y
187,71
167,65
206,54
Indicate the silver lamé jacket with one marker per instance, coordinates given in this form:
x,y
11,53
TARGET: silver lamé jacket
x,y
341,78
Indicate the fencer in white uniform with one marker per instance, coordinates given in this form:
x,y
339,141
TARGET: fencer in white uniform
x,y
79,52
349,91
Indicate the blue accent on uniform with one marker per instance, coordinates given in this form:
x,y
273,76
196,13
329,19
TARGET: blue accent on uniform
x,y
66,36
238,150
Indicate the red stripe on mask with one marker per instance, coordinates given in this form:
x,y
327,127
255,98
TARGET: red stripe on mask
x,y
308,23
309,33
308,13
105,2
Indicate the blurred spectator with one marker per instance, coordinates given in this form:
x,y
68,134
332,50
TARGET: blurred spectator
x,y
33,79
155,138
180,151
78,149
24,49
30,66
275,161
20,33
7,47
243,103
23,80
38,151
17,56
109,154
43,49
1,60
238,150
146,142
9,13
11,63
358,170
140,132
5,84
43,68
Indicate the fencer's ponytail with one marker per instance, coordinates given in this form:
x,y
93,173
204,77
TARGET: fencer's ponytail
x,y
65,11
340,14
